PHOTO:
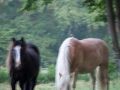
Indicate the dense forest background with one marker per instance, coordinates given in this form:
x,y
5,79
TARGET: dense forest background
x,y
48,26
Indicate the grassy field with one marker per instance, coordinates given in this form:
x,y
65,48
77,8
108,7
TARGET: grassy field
x,y
81,85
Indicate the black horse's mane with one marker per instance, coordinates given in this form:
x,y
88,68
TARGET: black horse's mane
x,y
9,56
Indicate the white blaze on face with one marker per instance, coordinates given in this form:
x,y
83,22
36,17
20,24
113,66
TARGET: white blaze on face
x,y
17,55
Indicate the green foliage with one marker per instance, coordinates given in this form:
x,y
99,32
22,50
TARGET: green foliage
x,y
68,12
112,70
47,27
109,43
112,64
4,76
29,26
32,4
97,6
42,78
51,73
49,76
84,77
29,5
5,36
46,2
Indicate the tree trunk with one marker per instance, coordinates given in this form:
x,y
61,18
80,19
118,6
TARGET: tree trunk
x,y
118,14
113,34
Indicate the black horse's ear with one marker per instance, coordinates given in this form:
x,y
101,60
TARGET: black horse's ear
x,y
13,39
22,39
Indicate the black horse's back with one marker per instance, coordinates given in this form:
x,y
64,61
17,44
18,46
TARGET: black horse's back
x,y
34,47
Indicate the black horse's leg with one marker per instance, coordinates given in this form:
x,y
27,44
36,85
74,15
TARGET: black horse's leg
x,y
22,85
13,82
27,85
33,83
30,85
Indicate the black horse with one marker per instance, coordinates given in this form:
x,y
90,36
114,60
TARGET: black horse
x,y
23,63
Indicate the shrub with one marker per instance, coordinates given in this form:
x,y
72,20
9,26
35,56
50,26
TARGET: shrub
x,y
83,77
42,78
47,77
51,73
112,70
4,76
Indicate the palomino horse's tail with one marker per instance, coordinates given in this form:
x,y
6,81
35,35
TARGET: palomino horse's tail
x,y
100,78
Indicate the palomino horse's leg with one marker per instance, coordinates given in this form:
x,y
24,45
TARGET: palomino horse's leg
x,y
93,79
102,78
105,73
74,80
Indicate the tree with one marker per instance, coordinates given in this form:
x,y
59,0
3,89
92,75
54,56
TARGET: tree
x,y
113,34
117,2
108,7
32,4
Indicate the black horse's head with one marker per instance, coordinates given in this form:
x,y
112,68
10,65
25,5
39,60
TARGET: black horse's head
x,y
18,51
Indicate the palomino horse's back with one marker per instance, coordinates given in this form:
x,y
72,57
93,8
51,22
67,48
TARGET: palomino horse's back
x,y
87,54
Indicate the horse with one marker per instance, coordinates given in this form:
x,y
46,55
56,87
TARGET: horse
x,y
82,57
23,63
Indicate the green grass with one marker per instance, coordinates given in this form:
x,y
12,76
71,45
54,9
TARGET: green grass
x,y
81,85
115,84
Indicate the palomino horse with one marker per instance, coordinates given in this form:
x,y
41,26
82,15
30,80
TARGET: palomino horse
x,y
23,63
82,56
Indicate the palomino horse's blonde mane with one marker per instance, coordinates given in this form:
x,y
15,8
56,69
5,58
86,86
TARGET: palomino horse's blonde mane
x,y
62,65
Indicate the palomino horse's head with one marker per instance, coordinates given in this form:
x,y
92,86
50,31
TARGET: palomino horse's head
x,y
17,51
64,80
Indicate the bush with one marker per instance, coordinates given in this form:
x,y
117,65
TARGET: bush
x,y
112,70
47,77
50,76
42,78
51,73
83,77
4,76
